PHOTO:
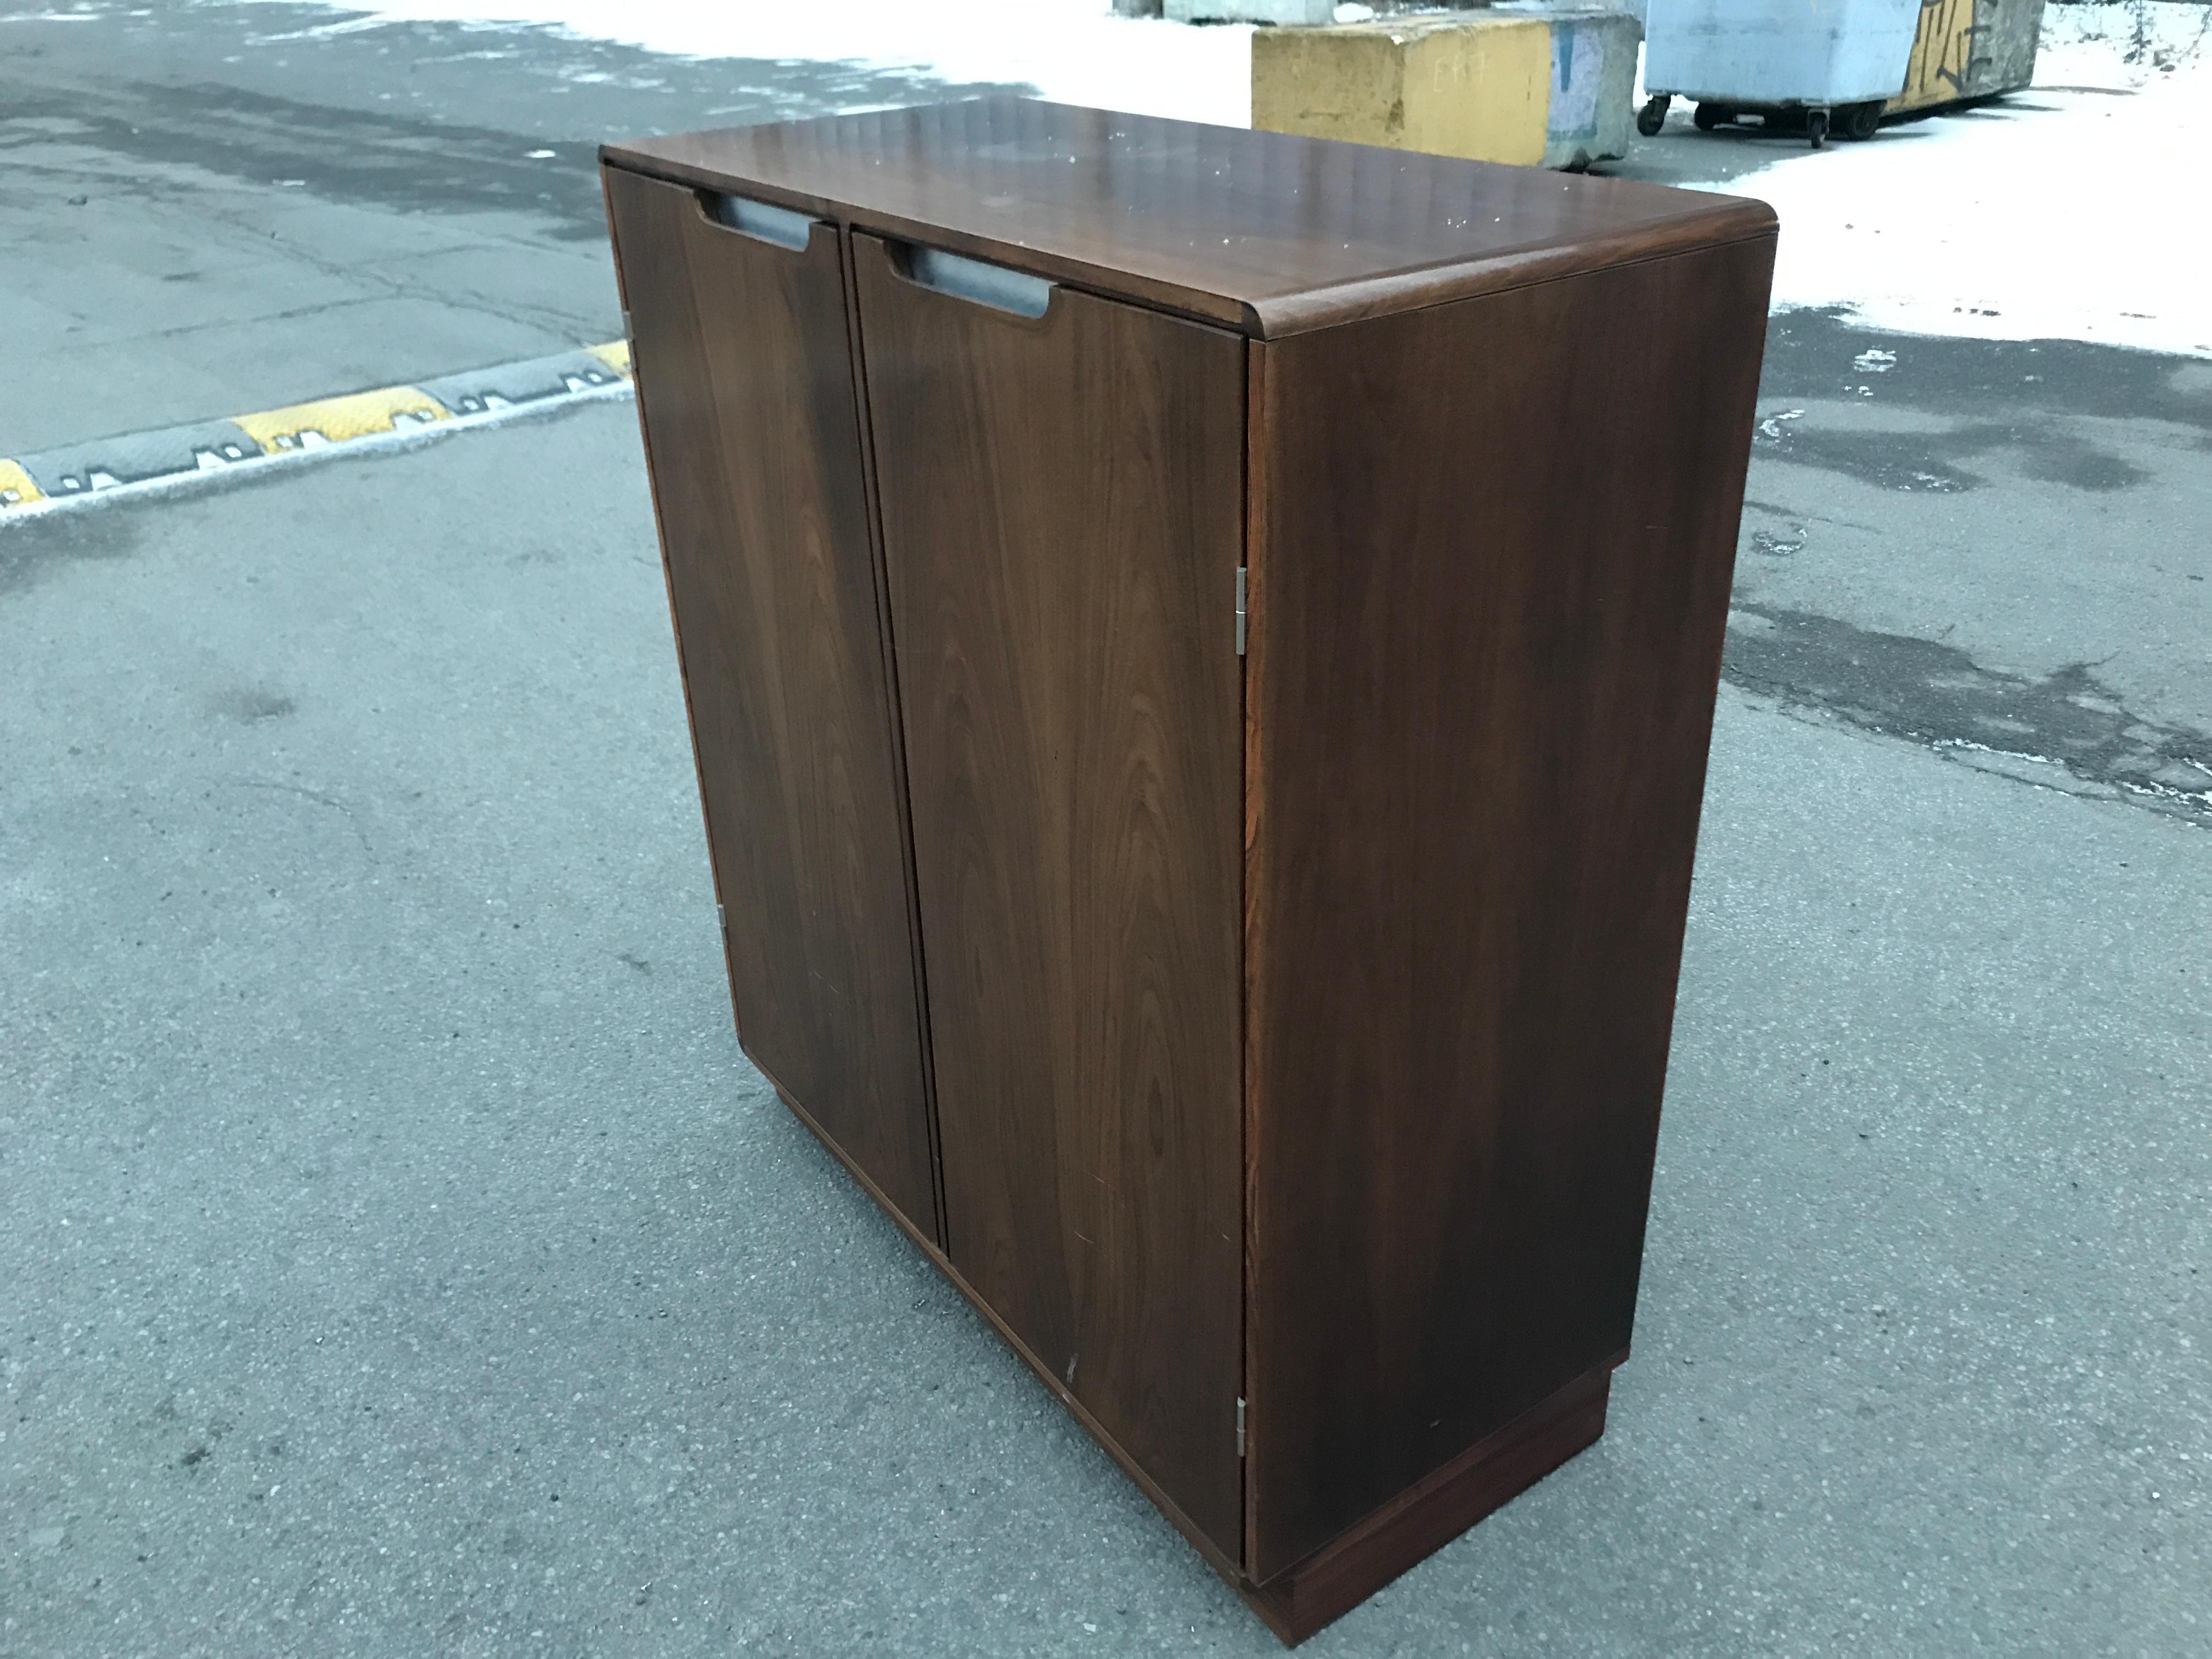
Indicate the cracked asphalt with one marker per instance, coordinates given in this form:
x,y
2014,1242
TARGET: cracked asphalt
x,y
397,1254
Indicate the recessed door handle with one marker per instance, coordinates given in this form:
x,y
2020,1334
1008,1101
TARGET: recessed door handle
x,y
977,281
761,221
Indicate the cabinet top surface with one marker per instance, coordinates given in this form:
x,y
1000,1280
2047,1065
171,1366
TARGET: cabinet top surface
x,y
1263,231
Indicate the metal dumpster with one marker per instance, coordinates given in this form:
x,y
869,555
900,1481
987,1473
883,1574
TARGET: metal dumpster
x,y
1804,64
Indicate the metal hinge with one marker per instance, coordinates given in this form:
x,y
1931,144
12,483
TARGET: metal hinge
x,y
722,920
1240,610
1240,1428
629,333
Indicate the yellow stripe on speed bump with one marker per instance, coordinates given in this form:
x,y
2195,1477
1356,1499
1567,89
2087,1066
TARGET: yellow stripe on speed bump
x,y
16,489
102,469
335,420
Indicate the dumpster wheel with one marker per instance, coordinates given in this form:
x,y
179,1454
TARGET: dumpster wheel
x,y
1653,116
1859,122
1816,126
1708,116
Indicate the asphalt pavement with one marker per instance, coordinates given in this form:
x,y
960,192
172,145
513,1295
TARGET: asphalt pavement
x,y
397,1255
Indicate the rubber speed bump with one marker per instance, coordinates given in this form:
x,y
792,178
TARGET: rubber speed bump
x,y
16,489
388,416
340,420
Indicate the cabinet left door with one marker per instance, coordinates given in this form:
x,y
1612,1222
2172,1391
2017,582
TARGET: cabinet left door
x,y
752,436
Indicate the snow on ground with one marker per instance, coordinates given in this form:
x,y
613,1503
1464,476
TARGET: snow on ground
x,y
2074,210
1074,52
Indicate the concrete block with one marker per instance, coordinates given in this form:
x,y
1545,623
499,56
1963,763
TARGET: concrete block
x,y
1593,94
1300,12
1970,49
1476,87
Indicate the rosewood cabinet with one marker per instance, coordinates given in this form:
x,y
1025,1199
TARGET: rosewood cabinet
x,y
1201,647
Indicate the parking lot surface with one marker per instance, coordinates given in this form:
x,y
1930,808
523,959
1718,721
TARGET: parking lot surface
x,y
398,1255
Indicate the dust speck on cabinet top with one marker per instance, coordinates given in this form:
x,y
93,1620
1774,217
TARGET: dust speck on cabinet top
x,y
1261,232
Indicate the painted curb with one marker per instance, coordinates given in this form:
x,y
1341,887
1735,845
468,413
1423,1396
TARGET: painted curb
x,y
52,479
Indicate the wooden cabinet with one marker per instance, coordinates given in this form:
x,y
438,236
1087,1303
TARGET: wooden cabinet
x,y
1201,647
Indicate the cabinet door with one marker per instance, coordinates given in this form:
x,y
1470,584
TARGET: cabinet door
x,y
1062,521
752,431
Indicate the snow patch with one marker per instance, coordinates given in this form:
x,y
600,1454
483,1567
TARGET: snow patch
x,y
2062,212
1074,52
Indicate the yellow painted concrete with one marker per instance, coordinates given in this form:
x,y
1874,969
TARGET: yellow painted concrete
x,y
614,354
16,489
1937,72
1468,86
334,420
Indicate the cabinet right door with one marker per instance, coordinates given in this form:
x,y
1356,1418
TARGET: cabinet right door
x,y
1062,503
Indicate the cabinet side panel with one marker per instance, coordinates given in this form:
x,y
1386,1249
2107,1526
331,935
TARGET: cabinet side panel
x,y
1062,518
1487,615
744,375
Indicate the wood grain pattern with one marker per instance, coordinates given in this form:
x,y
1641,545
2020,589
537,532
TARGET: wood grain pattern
x,y
746,393
1062,502
1268,232
1425,1517
898,742
1488,600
